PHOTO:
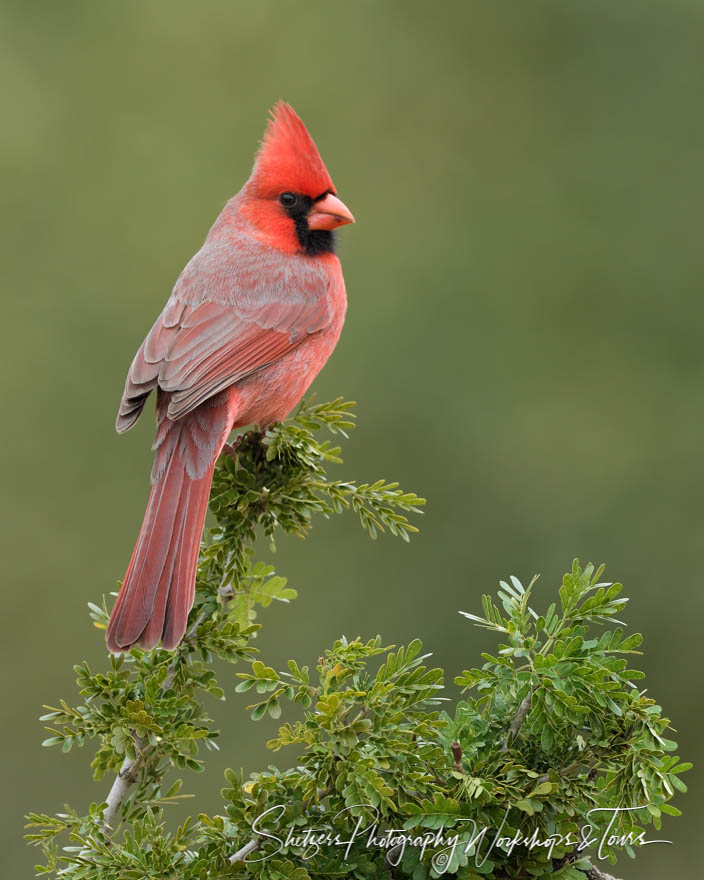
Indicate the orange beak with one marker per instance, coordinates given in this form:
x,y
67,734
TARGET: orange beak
x,y
329,213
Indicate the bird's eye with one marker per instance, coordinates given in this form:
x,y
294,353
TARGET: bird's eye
x,y
288,199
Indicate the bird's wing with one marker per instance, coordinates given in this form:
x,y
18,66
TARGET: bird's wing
x,y
197,348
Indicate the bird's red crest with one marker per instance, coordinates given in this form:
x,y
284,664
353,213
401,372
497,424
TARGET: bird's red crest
x,y
288,158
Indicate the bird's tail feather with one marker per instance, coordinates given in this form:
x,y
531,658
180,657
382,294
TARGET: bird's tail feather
x,y
159,586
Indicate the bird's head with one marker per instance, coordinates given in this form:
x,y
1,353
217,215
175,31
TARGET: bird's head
x,y
290,198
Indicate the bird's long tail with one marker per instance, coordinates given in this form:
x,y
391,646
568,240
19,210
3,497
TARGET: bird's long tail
x,y
158,589
159,586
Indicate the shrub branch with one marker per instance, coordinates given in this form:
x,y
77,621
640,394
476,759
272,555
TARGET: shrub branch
x,y
552,724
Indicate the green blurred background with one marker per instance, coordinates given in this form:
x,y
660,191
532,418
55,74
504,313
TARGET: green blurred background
x,y
523,335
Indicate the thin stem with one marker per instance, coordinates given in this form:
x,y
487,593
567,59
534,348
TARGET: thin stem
x,y
518,719
131,767
244,851
127,776
596,874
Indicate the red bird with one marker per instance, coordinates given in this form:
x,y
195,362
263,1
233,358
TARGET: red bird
x,y
251,321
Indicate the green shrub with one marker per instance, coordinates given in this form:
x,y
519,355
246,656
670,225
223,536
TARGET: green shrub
x,y
535,773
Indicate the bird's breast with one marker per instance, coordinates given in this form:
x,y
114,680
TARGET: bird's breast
x,y
272,392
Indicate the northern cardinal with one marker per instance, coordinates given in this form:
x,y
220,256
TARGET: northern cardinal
x,y
252,319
